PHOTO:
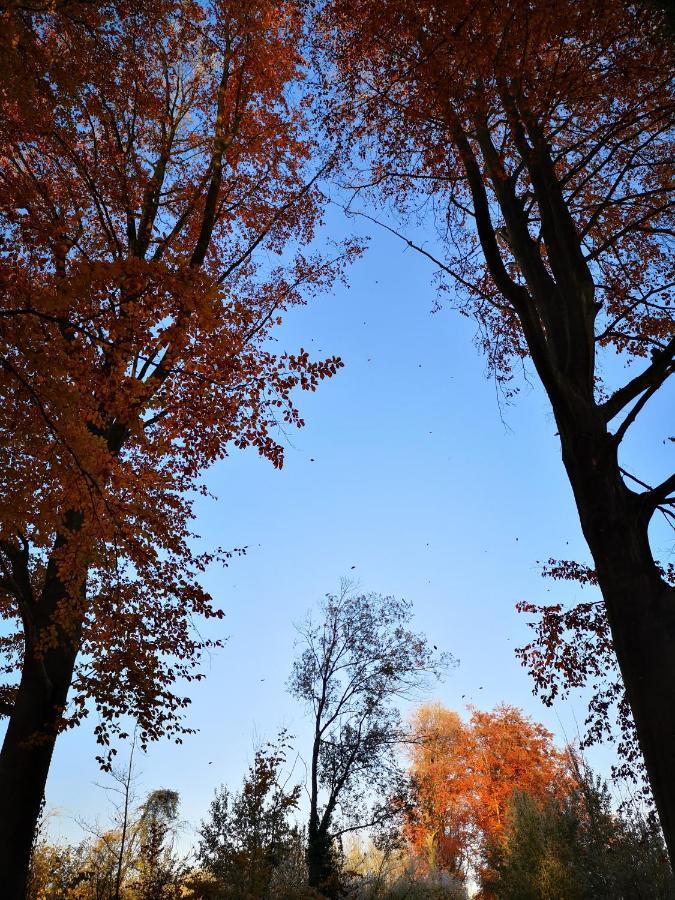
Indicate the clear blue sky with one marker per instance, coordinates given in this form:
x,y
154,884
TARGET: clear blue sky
x,y
420,481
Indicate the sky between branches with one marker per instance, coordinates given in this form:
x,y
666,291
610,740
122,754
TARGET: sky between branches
x,y
412,476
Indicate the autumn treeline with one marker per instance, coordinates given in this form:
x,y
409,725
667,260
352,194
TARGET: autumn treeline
x,y
427,806
492,807
165,167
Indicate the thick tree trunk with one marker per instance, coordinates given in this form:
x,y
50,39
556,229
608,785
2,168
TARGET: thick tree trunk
x,y
32,731
640,604
641,613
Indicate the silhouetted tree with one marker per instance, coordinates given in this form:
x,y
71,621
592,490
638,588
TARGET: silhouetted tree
x,y
248,837
356,662
541,133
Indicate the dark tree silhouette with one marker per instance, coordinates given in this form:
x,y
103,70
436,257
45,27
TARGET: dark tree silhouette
x,y
356,662
542,134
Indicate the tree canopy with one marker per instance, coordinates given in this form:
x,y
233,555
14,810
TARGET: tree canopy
x,y
163,148
540,138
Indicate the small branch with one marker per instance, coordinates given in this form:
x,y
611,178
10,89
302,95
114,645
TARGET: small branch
x,y
434,259
620,433
636,480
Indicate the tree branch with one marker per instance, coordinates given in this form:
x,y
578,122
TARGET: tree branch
x,y
661,493
660,368
620,433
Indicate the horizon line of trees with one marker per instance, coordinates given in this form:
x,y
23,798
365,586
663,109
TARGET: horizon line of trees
x,y
445,802
524,829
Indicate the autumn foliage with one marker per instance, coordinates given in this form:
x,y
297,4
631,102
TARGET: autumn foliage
x,y
159,151
134,319
450,93
465,775
150,154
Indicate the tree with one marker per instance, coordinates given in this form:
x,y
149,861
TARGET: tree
x,y
159,871
248,837
66,873
355,663
133,858
164,145
377,872
542,135
438,823
465,775
576,846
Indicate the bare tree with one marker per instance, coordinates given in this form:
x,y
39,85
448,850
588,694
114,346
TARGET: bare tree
x,y
112,846
357,661
126,784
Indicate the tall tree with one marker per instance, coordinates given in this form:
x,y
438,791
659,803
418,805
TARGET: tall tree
x,y
438,824
543,136
356,661
163,145
159,870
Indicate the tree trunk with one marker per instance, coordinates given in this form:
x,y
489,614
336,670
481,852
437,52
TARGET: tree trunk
x,y
31,733
640,605
24,766
321,869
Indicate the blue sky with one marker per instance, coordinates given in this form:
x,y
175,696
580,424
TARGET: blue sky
x,y
411,470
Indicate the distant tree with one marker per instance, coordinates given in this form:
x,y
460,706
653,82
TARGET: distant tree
x,y
111,848
540,136
159,870
576,847
439,824
464,775
131,858
377,872
248,840
63,873
357,660
85,871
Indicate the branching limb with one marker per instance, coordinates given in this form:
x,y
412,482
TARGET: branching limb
x,y
660,368
661,493
620,433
